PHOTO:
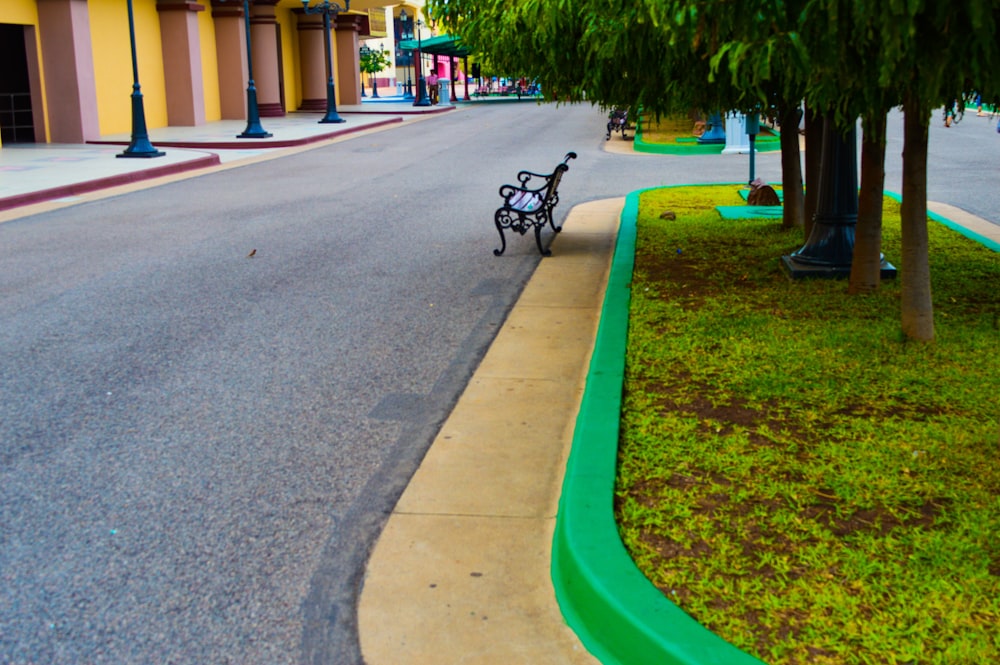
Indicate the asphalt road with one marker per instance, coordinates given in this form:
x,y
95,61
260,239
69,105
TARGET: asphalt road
x,y
963,162
197,447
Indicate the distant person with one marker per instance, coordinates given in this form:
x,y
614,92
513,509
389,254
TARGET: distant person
x,y
432,87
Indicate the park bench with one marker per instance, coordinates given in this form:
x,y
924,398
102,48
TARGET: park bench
x,y
529,204
617,122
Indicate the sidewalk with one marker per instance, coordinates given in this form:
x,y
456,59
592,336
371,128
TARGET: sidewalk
x,y
462,570
41,172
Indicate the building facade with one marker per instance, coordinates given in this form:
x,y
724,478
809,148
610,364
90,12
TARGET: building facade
x,y
67,66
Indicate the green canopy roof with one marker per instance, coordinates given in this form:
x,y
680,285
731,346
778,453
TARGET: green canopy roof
x,y
440,45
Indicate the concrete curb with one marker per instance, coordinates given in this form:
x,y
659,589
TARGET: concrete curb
x,y
964,223
87,186
266,143
618,614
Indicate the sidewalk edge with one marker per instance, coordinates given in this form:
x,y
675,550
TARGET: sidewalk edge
x,y
87,186
951,224
267,143
617,613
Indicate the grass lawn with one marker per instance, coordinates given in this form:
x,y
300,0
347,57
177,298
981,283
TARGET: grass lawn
x,y
793,473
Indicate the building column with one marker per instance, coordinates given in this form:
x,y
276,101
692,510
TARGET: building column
x,y
70,90
231,56
312,61
266,63
182,62
348,61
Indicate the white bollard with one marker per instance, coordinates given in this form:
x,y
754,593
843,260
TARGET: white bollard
x,y
737,141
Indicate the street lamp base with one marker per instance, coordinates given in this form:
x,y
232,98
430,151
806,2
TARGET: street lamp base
x,y
254,129
254,133
331,119
141,151
799,270
140,146
422,98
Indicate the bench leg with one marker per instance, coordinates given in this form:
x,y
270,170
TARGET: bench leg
x,y
552,223
503,240
538,240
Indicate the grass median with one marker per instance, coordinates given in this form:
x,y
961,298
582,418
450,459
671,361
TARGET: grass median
x,y
793,473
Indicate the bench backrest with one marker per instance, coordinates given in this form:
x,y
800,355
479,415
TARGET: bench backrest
x,y
550,192
557,175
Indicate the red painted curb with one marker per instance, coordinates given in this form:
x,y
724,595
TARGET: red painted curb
x,y
259,143
78,188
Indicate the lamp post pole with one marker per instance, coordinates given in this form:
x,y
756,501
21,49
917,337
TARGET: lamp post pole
x,y
375,75
409,80
253,129
830,247
363,51
327,9
422,98
405,35
140,145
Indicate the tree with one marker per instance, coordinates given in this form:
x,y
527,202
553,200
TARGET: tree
x,y
766,60
936,51
846,58
373,62
842,83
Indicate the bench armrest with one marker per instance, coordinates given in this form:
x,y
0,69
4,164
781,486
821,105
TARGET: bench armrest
x,y
525,177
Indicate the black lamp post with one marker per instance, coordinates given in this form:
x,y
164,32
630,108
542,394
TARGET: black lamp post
x,y
382,59
405,34
422,98
328,9
830,247
254,129
140,145
363,51
409,81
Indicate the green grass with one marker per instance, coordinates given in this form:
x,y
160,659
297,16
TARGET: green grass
x,y
793,473
674,135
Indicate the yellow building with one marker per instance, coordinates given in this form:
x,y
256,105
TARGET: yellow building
x,y
66,66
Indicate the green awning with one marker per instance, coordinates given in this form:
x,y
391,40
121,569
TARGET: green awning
x,y
440,45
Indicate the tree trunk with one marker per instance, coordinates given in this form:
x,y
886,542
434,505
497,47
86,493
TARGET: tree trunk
x,y
814,164
866,265
917,308
793,210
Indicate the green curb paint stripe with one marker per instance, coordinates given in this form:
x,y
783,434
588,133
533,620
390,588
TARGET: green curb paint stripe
x,y
618,614
639,144
982,240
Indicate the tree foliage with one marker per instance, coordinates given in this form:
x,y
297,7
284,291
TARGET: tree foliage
x,y
373,62
846,59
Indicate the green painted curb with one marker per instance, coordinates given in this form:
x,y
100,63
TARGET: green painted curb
x,y
618,614
769,144
958,228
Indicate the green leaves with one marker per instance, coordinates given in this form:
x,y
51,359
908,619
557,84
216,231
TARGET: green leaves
x,y
373,62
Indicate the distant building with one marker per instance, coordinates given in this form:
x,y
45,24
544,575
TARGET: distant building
x,y
66,65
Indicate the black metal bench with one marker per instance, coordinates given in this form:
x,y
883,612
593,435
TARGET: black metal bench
x,y
529,204
617,122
